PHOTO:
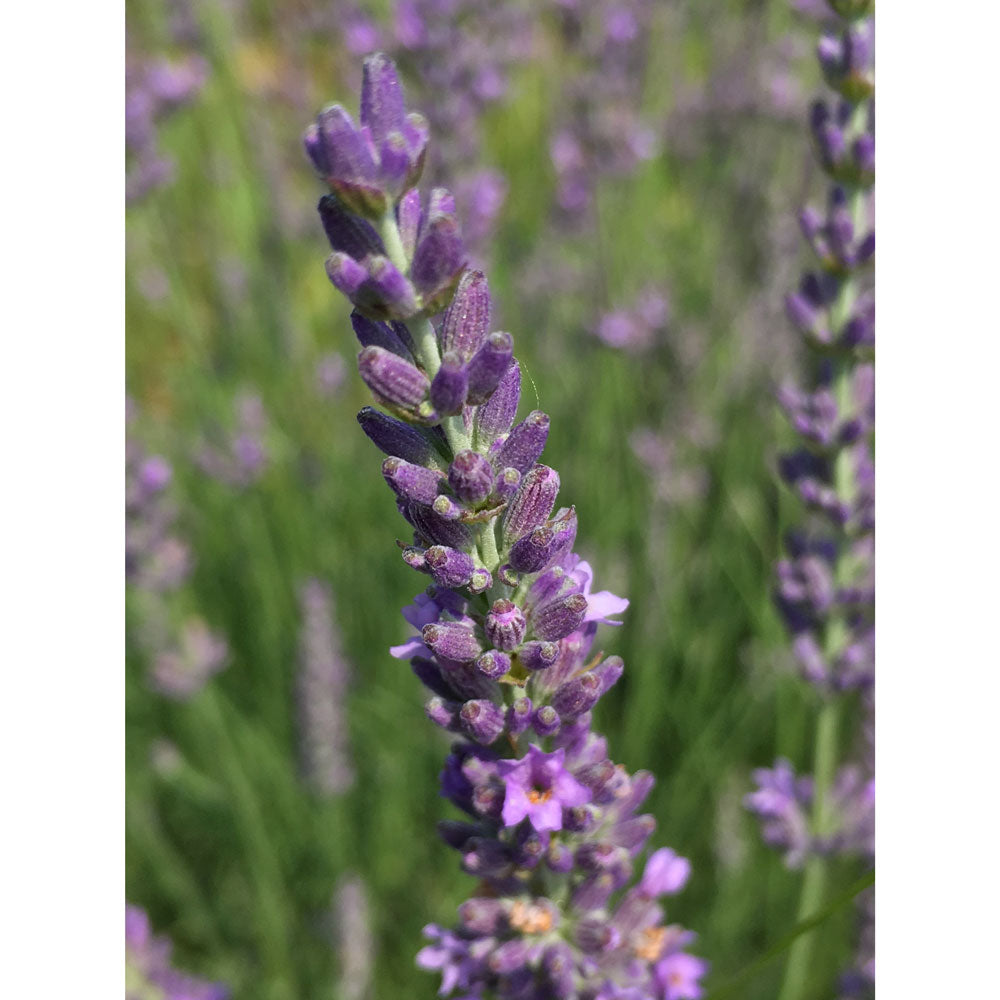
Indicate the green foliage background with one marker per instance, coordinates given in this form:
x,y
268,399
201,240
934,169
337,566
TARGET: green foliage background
x,y
227,848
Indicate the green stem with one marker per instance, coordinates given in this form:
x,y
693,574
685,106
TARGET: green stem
x,y
814,882
389,231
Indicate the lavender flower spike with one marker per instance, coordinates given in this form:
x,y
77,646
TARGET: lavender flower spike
x,y
503,642
825,584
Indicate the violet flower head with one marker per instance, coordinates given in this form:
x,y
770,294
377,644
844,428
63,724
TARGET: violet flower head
x,y
148,971
503,635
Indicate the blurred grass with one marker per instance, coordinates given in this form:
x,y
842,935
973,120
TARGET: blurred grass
x,y
229,851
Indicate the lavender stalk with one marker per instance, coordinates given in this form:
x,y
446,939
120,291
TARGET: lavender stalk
x,y
826,585
503,634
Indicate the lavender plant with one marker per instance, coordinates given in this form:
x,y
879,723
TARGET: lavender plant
x,y
184,653
323,679
504,634
154,89
148,971
826,583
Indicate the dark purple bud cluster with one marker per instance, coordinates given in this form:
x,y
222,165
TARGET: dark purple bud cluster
x,y
371,165
503,637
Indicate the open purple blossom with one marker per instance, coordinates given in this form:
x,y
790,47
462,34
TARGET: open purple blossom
x,y
148,971
538,788
826,583
551,828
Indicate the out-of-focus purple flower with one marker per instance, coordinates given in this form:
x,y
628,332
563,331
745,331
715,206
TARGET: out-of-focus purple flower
x,y
154,89
148,971
354,941
324,676
200,654
240,456
330,374
679,975
636,329
666,872
183,652
782,801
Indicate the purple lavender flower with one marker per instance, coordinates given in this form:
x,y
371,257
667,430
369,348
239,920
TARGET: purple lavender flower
x,y
154,90
324,675
552,832
635,329
539,788
461,53
239,456
148,971
183,652
825,589
601,130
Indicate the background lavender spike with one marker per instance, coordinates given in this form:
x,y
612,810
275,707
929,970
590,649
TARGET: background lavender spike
x,y
154,89
324,677
353,943
181,651
825,589
558,805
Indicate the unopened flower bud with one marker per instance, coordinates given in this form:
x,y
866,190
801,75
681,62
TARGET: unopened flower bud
x,y
508,483
395,438
488,366
525,444
394,381
546,721
496,416
505,625
449,567
538,655
493,664
482,720
471,477
450,385
467,319
452,641
411,482
519,716
558,619
532,504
